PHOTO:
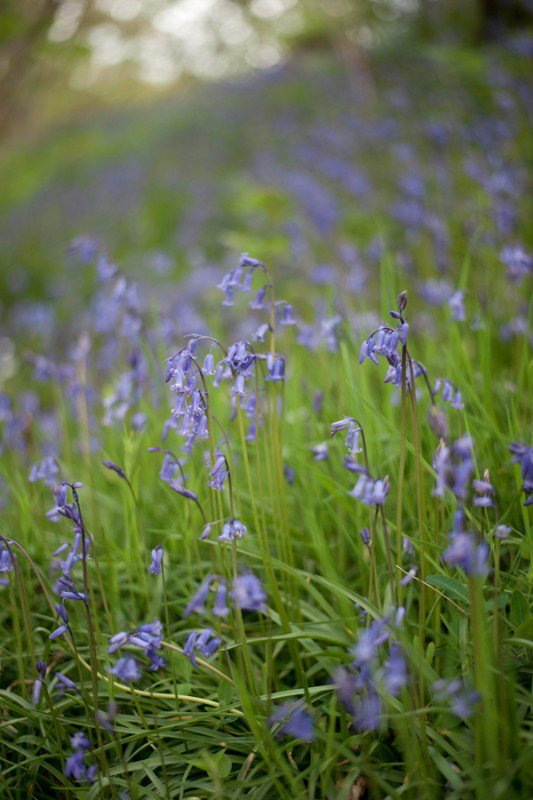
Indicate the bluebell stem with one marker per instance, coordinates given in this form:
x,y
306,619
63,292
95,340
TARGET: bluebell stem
x,y
248,593
126,670
157,558
204,642
290,719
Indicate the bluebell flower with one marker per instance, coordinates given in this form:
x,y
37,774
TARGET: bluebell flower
x,y
157,558
64,684
204,642
126,669
320,452
457,306
46,471
502,531
197,602
395,671
519,264
484,489
290,719
6,558
76,766
462,699
41,667
219,472
464,551
365,536
232,529
220,608
248,593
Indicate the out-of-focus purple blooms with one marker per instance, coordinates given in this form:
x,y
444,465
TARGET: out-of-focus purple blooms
x,y
107,718
408,577
197,602
275,367
365,536
220,609
407,546
369,641
395,671
76,766
466,552
320,452
438,422
523,455
157,559
261,332
288,473
484,489
248,593
85,248
518,262
457,306
46,471
502,531
292,720
41,667
462,699
126,669
232,529
204,642
369,491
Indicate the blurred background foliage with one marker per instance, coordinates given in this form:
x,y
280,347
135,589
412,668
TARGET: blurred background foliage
x,y
60,58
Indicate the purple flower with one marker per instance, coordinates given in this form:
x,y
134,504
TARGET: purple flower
x,y
395,671
126,669
76,766
197,602
41,667
292,720
220,609
232,529
157,558
523,455
462,699
64,684
465,552
204,642
365,536
320,452
219,472
519,264
248,592
47,471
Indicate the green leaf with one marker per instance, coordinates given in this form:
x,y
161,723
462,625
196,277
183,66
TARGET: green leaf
x,y
519,608
525,629
451,587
